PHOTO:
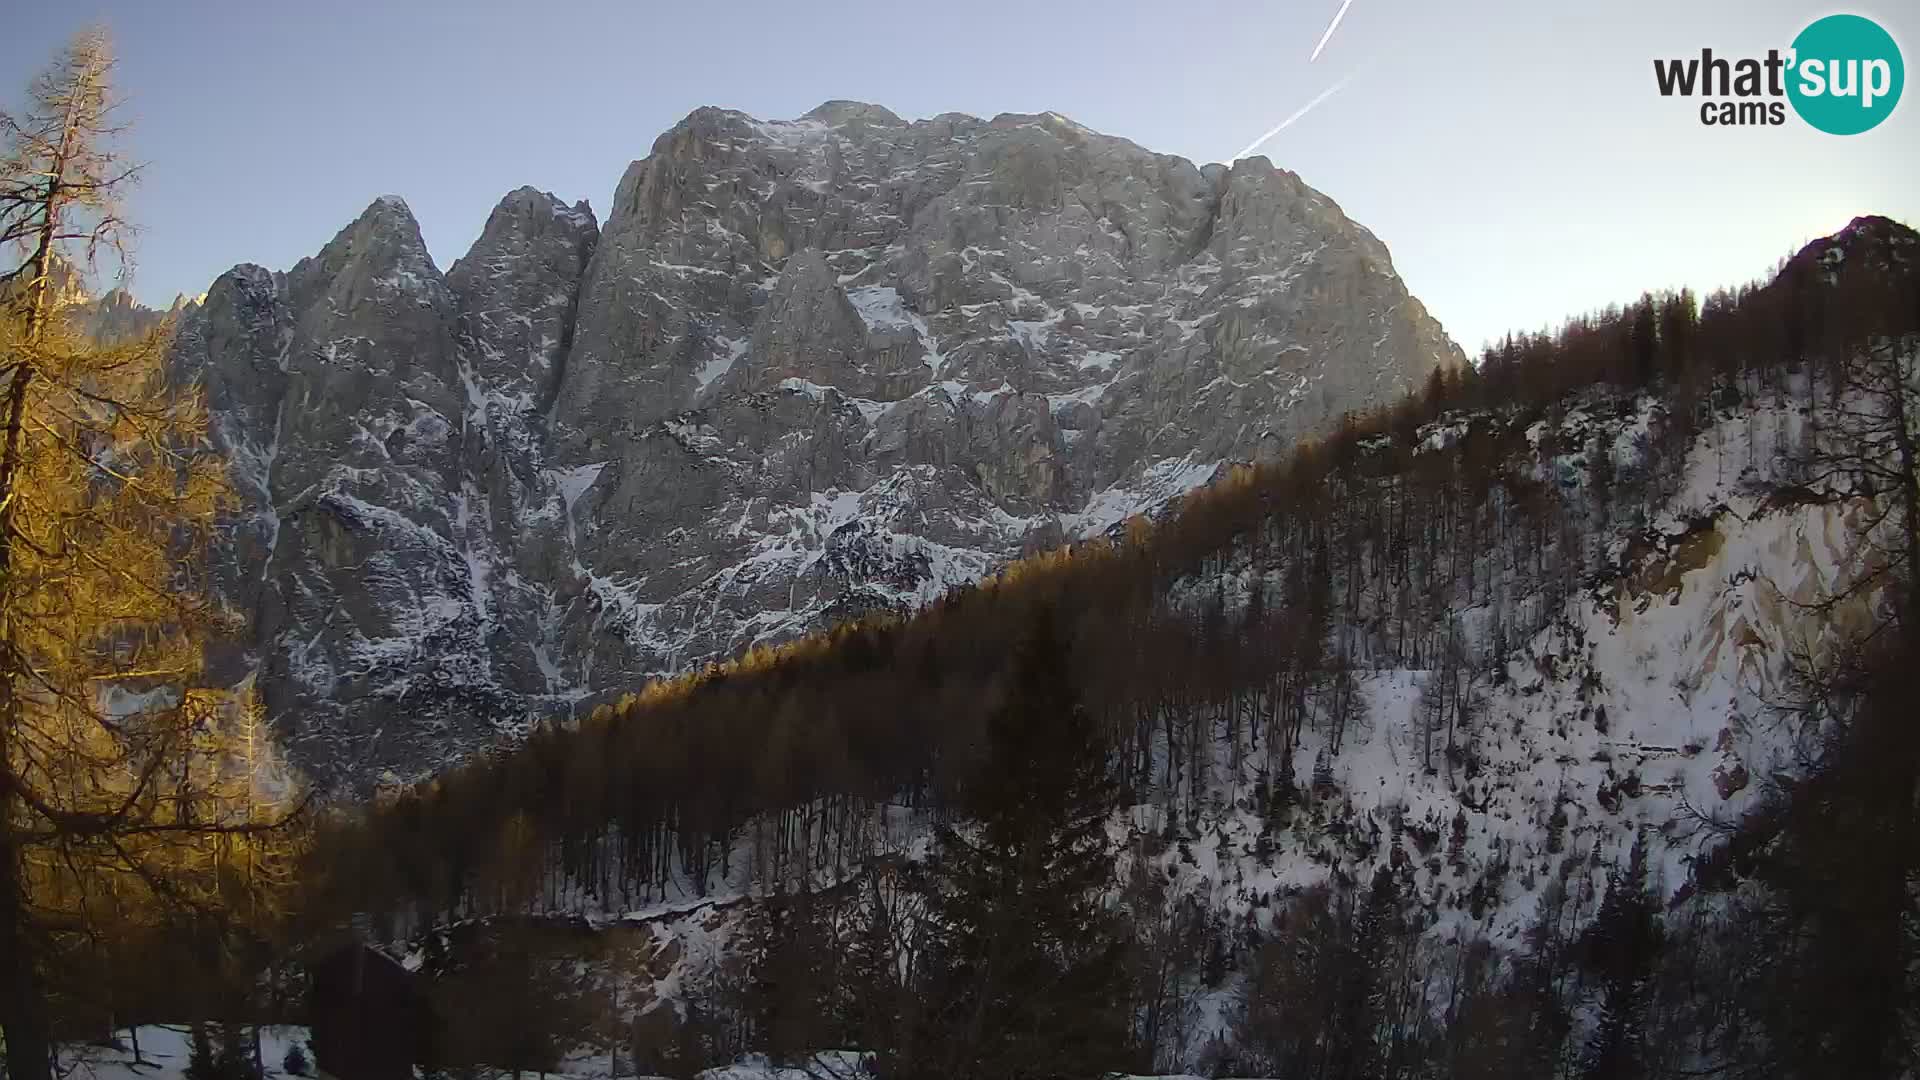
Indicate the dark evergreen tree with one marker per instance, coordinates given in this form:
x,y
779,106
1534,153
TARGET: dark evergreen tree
x,y
1643,342
1621,947
793,965
1024,977
202,1061
506,995
1353,1037
234,1061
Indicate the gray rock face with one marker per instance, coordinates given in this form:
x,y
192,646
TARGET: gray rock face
x,y
807,369
381,421
516,289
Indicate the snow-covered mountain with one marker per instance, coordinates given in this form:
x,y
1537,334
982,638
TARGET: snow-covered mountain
x,y
807,369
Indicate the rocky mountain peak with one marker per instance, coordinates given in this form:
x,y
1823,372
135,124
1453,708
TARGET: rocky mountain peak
x,y
840,113
807,368
379,258
1868,242
516,287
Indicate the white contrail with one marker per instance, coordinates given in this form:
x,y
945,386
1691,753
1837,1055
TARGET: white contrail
x,y
1331,27
1298,113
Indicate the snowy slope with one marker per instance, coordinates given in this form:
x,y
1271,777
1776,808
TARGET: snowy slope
x,y
1644,702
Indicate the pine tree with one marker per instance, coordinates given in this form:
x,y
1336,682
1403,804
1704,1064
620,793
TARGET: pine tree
x,y
792,965
199,1052
1621,947
1353,1036
1024,977
509,1000
234,1061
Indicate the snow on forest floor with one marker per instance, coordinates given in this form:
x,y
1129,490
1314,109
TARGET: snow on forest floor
x,y
1640,706
165,1050
164,1053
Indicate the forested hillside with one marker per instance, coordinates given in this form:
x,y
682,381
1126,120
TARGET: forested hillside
x,y
1540,725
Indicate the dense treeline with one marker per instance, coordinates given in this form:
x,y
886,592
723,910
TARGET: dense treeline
x,y
1188,657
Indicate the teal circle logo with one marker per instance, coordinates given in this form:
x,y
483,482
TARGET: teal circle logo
x,y
1846,74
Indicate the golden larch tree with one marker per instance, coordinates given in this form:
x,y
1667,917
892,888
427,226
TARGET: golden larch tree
x,y
122,801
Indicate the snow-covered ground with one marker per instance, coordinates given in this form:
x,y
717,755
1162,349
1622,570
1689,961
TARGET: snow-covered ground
x,y
826,1065
164,1054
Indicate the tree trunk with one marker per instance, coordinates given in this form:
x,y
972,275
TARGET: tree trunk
x,y
613,1044
22,1005
22,1000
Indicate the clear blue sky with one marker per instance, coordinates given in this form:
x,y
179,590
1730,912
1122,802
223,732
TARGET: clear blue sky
x,y
1515,156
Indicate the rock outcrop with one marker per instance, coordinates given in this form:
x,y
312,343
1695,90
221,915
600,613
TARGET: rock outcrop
x,y
807,369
